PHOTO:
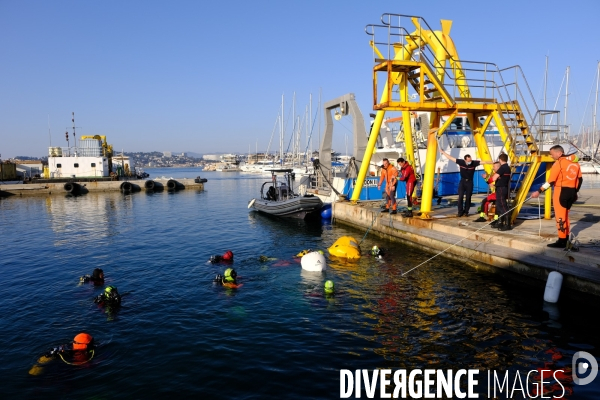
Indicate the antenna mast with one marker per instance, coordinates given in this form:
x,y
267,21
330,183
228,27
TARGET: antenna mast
x,y
595,109
73,121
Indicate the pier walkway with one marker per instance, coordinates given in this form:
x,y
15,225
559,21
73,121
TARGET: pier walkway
x,y
522,250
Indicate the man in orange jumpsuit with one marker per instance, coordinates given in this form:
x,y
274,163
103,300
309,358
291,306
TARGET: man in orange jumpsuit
x,y
566,178
389,173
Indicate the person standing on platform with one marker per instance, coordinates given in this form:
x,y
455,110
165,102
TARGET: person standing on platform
x,y
485,204
465,186
565,176
502,181
389,173
407,174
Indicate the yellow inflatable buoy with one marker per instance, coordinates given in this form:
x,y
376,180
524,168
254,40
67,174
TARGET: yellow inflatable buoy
x,y
345,247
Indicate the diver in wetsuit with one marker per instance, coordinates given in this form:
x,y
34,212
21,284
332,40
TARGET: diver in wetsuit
x,y
226,257
377,252
97,277
229,276
109,298
79,352
329,289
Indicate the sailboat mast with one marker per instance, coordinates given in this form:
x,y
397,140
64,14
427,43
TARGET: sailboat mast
x,y
319,117
595,109
294,126
545,82
567,102
307,130
282,130
311,125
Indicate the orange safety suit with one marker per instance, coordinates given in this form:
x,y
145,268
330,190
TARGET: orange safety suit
x,y
566,178
389,175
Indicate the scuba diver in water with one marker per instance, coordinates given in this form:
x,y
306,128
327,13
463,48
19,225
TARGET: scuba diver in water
x,y
97,277
226,257
79,352
377,252
109,298
329,289
229,278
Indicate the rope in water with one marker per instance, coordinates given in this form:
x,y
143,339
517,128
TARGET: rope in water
x,y
368,229
466,237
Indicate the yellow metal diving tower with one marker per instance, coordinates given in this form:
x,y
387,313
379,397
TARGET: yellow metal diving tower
x,y
422,72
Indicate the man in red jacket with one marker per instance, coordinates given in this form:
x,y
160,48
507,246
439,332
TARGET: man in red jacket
x,y
407,174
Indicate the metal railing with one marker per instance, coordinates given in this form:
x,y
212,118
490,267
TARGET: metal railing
x,y
473,81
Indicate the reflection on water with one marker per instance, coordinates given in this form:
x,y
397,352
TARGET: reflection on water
x,y
87,218
177,333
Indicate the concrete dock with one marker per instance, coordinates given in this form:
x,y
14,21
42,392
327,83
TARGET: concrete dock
x,y
58,188
522,250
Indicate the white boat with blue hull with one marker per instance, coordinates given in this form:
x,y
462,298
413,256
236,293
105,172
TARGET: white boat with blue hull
x,y
277,198
457,140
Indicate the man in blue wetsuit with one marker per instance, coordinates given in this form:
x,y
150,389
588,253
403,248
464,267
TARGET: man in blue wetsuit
x,y
465,186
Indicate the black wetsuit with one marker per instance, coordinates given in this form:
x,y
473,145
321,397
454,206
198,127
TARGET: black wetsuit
x,y
111,300
502,187
465,186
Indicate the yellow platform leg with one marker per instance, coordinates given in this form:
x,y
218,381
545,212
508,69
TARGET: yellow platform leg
x,y
480,142
430,160
408,138
364,167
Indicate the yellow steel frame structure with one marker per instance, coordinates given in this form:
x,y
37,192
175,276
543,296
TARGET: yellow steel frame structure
x,y
404,71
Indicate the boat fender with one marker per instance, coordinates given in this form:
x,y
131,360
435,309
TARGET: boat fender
x,y
326,212
126,187
314,262
553,285
172,184
149,184
71,187
251,203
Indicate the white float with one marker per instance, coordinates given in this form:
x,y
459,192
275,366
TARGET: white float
x,y
314,262
553,285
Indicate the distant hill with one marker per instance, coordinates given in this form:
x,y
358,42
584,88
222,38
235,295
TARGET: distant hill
x,y
193,155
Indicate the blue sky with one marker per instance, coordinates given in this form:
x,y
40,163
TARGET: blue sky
x,y
208,76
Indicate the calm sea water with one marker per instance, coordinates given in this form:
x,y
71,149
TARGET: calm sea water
x,y
277,336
